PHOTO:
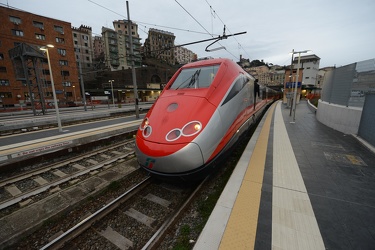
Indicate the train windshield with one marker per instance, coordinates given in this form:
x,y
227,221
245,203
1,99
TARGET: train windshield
x,y
195,78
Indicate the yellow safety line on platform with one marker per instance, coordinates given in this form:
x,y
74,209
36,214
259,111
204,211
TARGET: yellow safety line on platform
x,y
242,225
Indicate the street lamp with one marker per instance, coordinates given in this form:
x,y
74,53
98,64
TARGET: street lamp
x,y
113,99
45,48
74,92
296,83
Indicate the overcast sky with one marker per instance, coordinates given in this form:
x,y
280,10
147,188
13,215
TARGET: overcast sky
x,y
340,32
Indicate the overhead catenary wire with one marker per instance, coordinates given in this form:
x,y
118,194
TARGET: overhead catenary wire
x,y
207,31
156,25
149,24
213,11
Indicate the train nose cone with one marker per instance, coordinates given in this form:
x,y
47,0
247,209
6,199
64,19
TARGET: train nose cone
x,y
186,159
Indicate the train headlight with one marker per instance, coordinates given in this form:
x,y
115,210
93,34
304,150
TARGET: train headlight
x,y
191,128
144,123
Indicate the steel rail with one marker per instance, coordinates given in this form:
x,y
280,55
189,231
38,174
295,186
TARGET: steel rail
x,y
86,223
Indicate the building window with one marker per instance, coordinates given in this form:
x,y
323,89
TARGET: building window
x,y
5,94
3,69
87,58
17,32
1,56
76,42
63,62
4,82
15,20
66,84
59,29
45,72
86,44
65,73
60,40
40,36
74,34
61,52
38,25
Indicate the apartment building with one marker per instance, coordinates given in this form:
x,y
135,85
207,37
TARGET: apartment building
x,y
98,46
25,78
261,73
83,47
159,44
123,27
117,45
184,55
310,66
111,50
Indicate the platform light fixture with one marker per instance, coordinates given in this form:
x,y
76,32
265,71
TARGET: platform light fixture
x,y
296,82
74,91
113,99
45,48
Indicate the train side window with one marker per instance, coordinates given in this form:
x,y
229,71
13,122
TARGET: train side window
x,y
236,88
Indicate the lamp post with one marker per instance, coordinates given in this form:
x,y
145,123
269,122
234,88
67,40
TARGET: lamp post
x,y
45,48
296,83
74,92
113,99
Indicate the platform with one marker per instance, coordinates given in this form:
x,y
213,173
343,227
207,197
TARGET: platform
x,y
19,147
297,185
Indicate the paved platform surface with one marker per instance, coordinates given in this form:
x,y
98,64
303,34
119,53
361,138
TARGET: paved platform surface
x,y
298,185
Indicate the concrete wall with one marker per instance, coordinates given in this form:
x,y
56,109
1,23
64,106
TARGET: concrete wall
x,y
341,118
366,127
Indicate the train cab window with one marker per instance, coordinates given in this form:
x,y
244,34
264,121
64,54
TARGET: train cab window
x,y
195,78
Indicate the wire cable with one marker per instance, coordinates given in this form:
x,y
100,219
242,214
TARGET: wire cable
x,y
213,11
150,24
206,29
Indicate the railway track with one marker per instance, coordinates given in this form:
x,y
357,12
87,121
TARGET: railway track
x,y
151,208
20,189
42,123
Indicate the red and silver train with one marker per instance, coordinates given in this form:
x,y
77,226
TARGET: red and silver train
x,y
200,114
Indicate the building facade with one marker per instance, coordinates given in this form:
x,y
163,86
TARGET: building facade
x,y
308,78
184,55
83,47
25,78
111,50
310,66
117,45
98,46
123,28
159,44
